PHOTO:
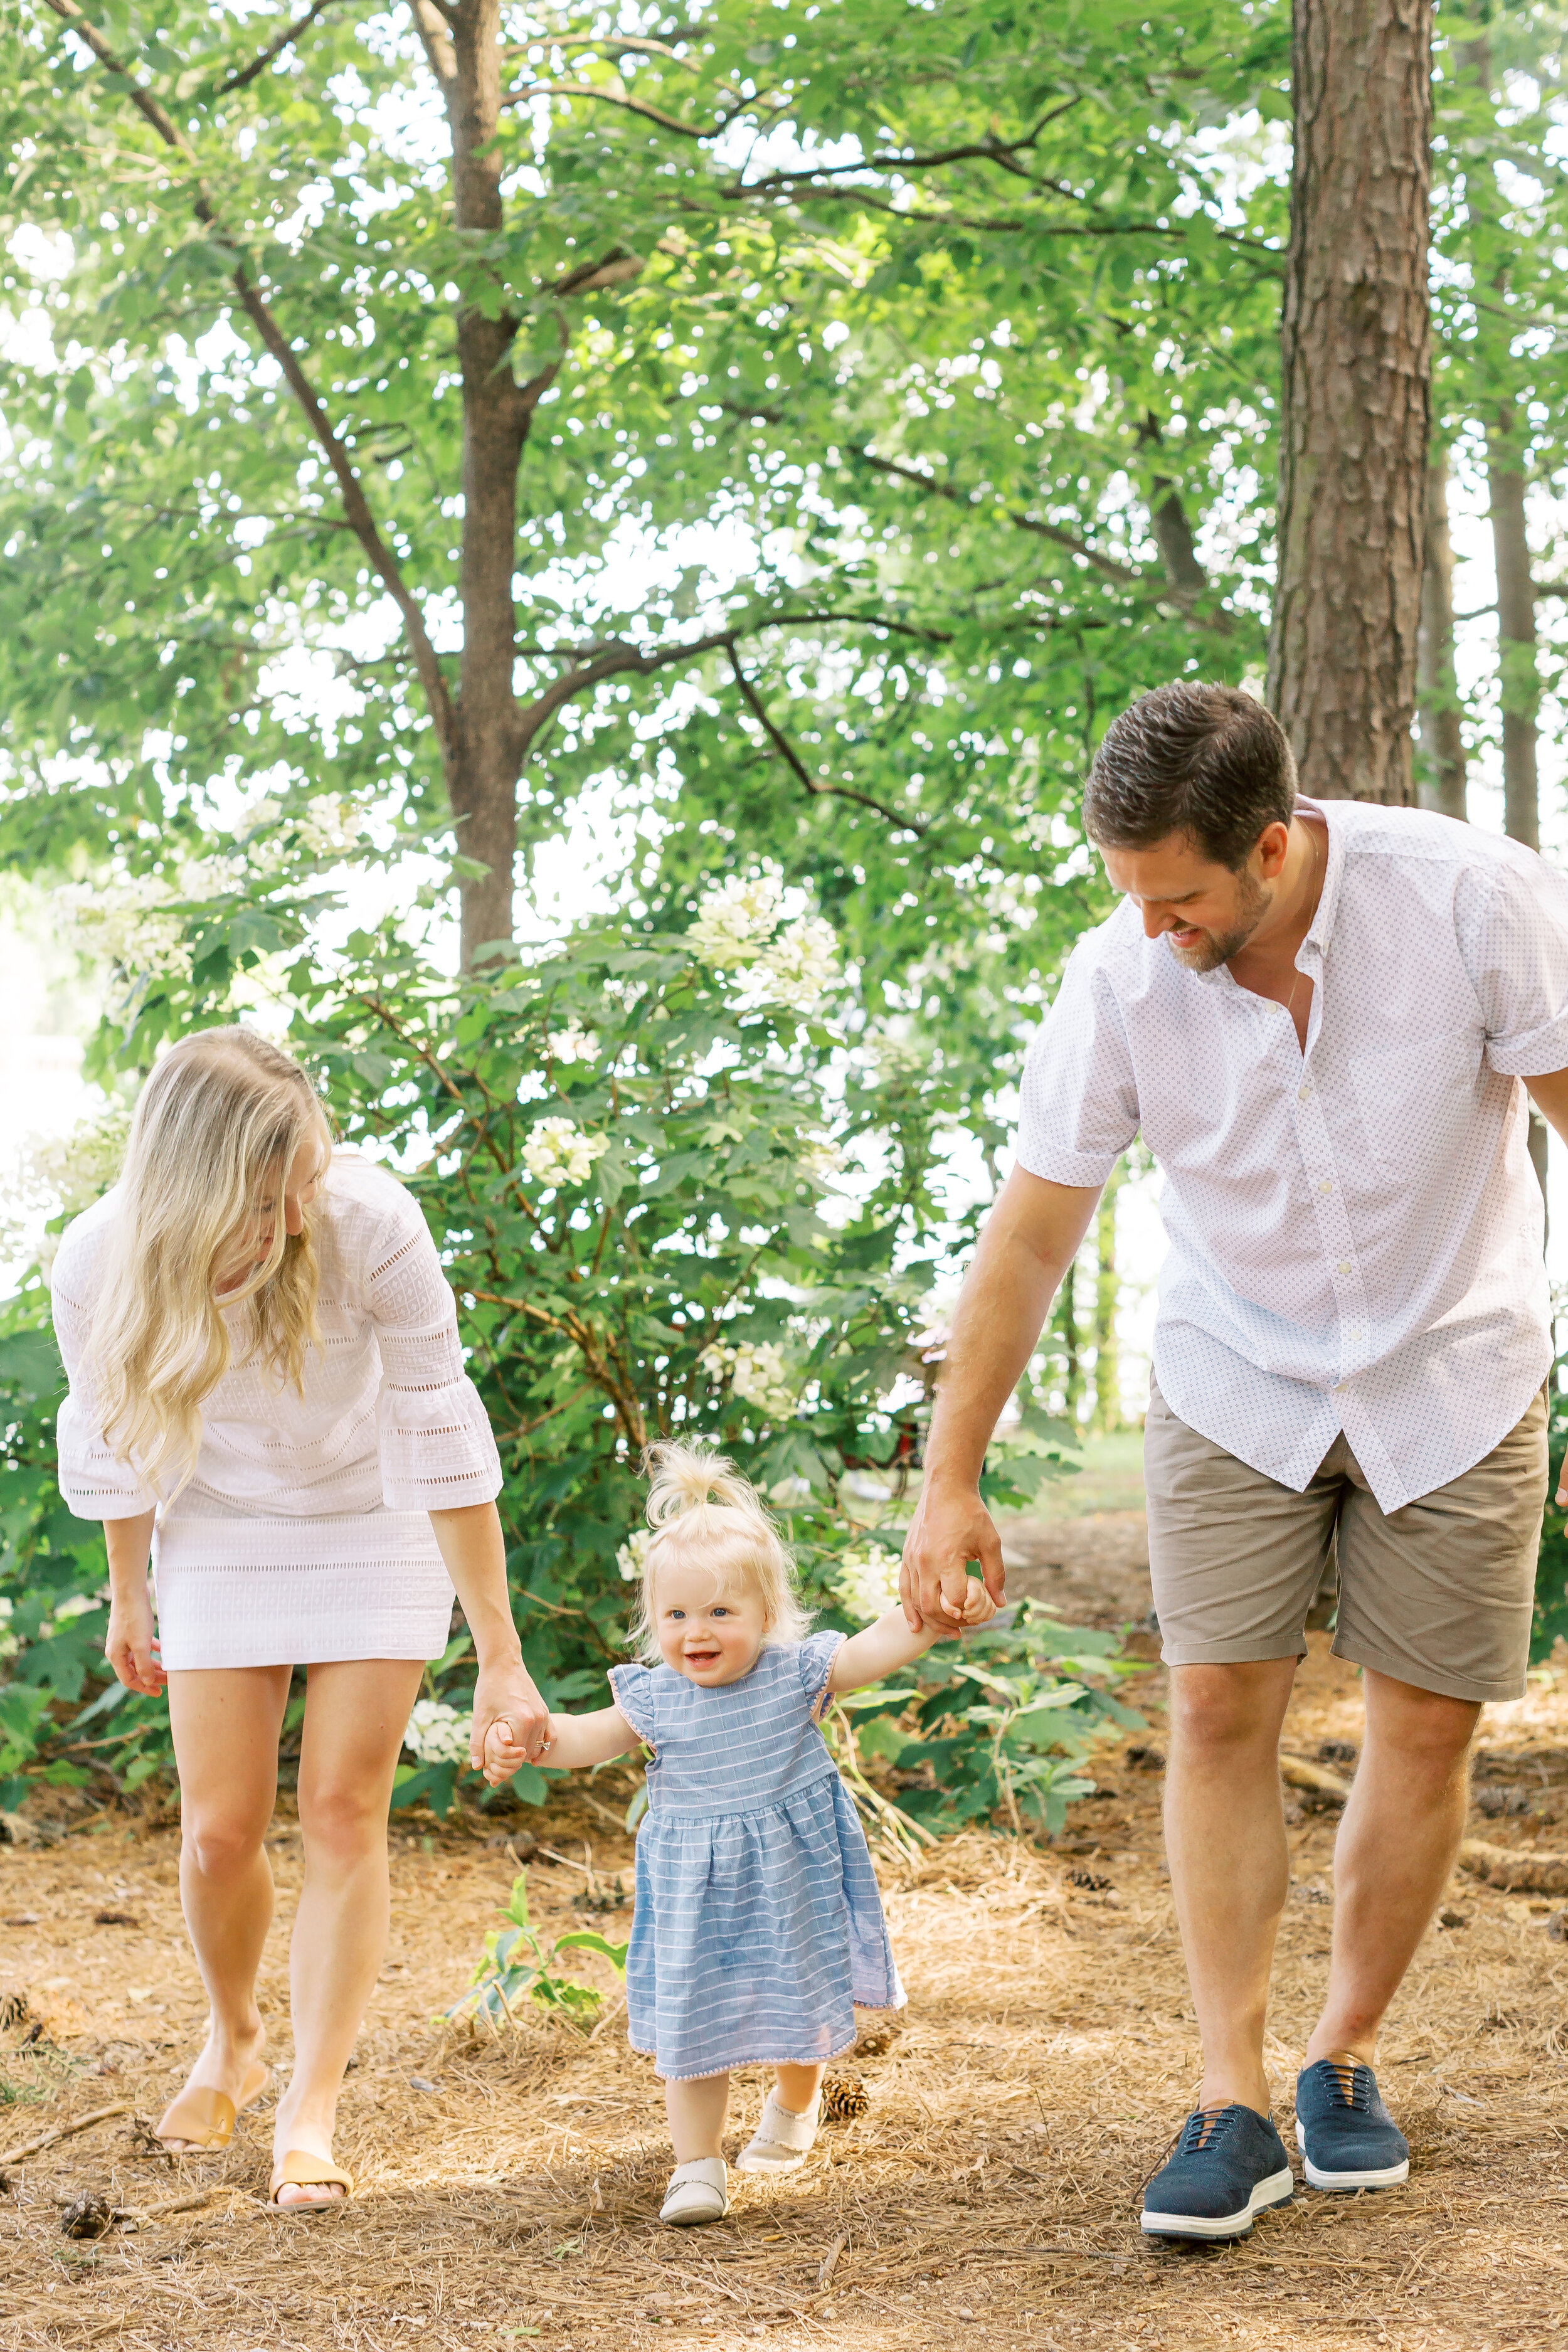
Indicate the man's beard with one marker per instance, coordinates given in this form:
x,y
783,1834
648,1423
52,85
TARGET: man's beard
x,y
1252,903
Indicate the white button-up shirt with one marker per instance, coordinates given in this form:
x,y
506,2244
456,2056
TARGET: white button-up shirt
x,y
1356,1232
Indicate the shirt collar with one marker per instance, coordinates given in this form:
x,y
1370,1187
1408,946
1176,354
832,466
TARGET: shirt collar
x,y
1322,922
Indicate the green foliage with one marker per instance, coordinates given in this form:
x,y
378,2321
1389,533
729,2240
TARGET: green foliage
x,y
1550,1618
516,1967
1005,1720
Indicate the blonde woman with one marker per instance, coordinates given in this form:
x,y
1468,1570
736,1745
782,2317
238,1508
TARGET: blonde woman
x,y
268,1398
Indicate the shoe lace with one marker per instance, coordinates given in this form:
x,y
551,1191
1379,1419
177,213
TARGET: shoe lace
x,y
1204,2128
1351,2081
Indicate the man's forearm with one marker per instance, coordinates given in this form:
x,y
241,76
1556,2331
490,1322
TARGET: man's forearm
x,y
1026,1249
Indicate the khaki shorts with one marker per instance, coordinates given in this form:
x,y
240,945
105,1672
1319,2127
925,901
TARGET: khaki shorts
x,y
1438,1594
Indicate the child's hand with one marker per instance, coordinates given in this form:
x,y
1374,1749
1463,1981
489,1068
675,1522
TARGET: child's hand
x,y
978,1604
503,1756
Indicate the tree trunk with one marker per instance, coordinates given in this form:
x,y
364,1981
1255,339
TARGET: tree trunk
x,y
1107,1414
1518,684
483,785
1442,785
1355,336
1066,1322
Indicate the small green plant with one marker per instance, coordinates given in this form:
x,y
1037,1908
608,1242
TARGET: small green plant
x,y
516,1967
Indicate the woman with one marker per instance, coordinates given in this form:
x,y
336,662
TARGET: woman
x,y
267,1395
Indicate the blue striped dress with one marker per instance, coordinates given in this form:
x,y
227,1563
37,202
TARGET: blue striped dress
x,y
758,1925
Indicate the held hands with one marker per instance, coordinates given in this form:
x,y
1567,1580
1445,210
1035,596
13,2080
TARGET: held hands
x,y
950,1528
509,1711
504,1755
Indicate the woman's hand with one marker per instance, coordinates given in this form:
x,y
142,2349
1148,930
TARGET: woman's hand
x,y
505,1695
130,1644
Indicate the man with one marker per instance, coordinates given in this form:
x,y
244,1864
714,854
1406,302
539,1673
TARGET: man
x,y
1318,1017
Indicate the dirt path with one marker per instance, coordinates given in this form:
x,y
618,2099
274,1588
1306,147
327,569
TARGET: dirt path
x,y
988,2196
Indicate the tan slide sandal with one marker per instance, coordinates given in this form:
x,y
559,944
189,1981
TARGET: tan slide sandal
x,y
205,2117
299,2169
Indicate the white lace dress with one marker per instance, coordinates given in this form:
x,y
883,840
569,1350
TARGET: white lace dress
x,y
304,1534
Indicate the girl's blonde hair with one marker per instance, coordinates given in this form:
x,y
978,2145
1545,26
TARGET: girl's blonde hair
x,y
218,1123
704,1513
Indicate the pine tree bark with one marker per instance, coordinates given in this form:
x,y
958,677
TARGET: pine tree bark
x,y
1442,786
1355,335
1517,680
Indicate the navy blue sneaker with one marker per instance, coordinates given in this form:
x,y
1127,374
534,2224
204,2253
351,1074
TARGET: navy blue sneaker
x,y
1347,2137
1229,2166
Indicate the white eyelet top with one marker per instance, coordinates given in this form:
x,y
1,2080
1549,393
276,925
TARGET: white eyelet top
x,y
335,1478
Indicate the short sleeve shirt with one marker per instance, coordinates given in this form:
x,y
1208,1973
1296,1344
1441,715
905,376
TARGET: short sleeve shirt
x,y
1355,1231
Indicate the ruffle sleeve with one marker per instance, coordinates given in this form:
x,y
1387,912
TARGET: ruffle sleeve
x,y
633,1689
94,1483
816,1656
438,1453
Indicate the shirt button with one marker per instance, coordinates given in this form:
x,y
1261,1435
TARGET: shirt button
x,y
1303,1092
1343,1267
1325,1184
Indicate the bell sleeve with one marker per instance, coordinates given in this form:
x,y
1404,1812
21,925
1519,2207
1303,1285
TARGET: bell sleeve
x,y
438,1453
94,1483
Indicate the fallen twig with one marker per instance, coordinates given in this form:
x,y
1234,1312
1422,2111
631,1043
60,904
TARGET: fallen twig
x,y
64,2131
830,2260
1513,1869
1297,1773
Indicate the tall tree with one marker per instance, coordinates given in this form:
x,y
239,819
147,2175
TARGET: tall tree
x,y
1354,397
1442,783
390,344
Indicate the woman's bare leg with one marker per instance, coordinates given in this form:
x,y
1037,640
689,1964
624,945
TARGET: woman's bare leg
x,y
355,1715
225,1723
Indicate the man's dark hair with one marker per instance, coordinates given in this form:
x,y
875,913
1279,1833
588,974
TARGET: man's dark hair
x,y
1204,760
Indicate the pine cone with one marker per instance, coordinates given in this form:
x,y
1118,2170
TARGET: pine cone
x,y
843,2098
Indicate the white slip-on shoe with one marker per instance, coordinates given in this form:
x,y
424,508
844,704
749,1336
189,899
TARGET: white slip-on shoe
x,y
781,2141
697,2192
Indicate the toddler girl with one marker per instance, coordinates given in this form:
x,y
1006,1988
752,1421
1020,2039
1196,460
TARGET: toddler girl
x,y
758,1925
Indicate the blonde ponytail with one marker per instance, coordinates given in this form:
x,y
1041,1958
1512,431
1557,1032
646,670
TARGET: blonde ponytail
x,y
705,1514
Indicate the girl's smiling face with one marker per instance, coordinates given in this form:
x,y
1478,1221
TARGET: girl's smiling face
x,y
710,1630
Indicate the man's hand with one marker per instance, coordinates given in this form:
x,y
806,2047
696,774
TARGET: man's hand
x,y
952,1527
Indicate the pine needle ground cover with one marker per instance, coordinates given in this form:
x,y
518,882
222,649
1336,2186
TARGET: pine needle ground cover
x,y
988,2194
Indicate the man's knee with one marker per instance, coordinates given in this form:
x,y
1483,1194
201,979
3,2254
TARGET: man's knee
x,y
1425,1729
1229,1707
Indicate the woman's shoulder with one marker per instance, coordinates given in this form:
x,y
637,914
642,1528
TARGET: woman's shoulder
x,y
84,1244
361,1197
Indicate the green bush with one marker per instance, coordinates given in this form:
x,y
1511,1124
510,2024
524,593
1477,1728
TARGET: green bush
x,y
627,1151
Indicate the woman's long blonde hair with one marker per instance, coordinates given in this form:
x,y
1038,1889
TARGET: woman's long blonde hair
x,y
218,1124
704,1513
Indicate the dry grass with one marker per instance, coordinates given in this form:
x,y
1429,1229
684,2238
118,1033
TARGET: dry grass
x,y
989,2195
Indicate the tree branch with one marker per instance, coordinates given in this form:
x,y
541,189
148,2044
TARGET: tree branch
x,y
1124,575
615,98
290,32
984,151
356,505
793,760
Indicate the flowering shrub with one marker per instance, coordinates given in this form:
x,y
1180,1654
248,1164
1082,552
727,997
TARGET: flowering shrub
x,y
756,1373
439,1734
866,1580
559,1153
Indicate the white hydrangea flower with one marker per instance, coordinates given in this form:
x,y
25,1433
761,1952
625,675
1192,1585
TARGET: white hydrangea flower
x,y
330,826
868,1580
558,1152
633,1552
439,1734
734,921
820,1156
798,967
572,1044
757,1372
128,924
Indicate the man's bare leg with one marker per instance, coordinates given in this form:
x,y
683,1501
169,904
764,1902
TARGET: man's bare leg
x,y
1394,1851
1230,1864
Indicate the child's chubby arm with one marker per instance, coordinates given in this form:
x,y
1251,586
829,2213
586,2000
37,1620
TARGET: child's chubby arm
x,y
575,1741
888,1644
